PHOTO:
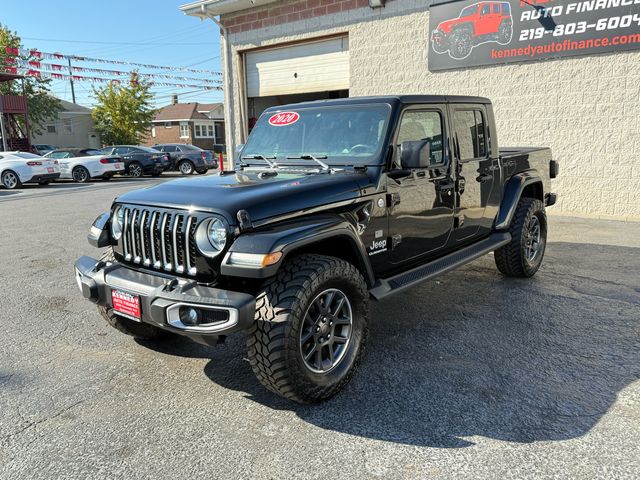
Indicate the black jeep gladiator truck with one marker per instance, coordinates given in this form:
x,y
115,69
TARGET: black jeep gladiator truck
x,y
331,204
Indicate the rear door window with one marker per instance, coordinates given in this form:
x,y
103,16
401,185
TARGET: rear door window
x,y
122,150
470,134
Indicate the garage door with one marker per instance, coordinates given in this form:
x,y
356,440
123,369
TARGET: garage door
x,y
302,68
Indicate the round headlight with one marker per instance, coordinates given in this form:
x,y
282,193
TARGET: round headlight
x,y
211,237
117,220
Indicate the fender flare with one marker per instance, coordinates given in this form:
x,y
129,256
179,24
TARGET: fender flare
x,y
512,192
290,236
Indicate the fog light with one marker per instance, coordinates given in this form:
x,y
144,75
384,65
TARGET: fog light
x,y
189,316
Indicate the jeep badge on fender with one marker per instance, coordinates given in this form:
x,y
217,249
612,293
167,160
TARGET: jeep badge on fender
x,y
332,204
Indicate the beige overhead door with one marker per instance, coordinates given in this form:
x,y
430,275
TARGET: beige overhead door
x,y
318,66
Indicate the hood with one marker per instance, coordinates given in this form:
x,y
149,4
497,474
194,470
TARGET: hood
x,y
262,198
448,24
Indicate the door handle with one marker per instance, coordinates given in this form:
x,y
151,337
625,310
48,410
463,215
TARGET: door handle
x,y
485,177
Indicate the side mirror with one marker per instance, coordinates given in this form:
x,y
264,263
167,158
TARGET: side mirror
x,y
415,154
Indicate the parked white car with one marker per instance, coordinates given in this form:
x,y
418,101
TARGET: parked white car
x,y
84,164
17,168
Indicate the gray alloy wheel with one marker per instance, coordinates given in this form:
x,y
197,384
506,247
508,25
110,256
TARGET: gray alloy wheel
x,y
10,180
186,167
135,170
326,331
80,174
533,241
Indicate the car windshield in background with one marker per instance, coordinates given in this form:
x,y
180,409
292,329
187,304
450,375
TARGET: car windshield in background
x,y
146,149
26,155
344,135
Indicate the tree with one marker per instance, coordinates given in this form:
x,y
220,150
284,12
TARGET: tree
x,y
42,105
123,112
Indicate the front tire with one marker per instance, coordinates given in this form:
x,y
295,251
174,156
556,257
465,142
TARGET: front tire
x,y
135,170
311,328
522,256
80,174
460,45
202,171
10,180
142,331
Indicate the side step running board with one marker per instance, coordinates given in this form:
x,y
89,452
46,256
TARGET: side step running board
x,y
402,281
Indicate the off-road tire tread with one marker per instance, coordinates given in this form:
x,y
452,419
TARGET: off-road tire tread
x,y
509,258
269,338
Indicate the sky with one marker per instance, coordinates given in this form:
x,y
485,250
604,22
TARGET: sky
x,y
143,31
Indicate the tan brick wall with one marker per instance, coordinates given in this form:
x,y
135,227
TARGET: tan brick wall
x,y
587,109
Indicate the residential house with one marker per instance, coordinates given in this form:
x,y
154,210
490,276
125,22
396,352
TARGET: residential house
x,y
200,124
73,127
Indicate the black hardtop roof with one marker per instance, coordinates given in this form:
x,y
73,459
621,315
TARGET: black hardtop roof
x,y
388,99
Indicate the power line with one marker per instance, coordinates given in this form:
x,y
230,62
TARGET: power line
x,y
117,43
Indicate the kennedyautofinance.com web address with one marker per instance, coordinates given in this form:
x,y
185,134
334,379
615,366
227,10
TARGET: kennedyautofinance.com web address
x,y
565,46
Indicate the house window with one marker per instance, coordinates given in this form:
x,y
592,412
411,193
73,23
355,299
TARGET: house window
x,y
51,129
204,131
153,132
67,126
167,124
184,130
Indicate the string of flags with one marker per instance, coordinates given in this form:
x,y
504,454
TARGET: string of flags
x,y
53,67
31,72
36,54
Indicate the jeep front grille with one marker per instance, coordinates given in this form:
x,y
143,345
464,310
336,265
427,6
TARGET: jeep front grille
x,y
158,239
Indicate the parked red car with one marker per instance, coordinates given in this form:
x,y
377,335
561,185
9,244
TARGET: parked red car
x,y
477,23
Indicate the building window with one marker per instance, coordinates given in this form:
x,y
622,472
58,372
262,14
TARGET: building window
x,y
51,129
167,124
204,131
67,126
153,132
184,130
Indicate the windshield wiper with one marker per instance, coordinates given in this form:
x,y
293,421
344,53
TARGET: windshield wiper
x,y
262,157
306,156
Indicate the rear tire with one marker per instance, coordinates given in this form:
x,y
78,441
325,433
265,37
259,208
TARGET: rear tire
x,y
186,167
10,180
311,328
44,183
106,178
523,256
202,171
80,174
505,32
142,331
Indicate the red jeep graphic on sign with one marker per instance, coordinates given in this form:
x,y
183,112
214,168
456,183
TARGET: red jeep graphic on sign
x,y
477,23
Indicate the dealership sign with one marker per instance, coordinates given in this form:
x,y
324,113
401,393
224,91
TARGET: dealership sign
x,y
469,33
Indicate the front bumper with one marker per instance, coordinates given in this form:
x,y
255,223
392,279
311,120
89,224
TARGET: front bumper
x,y
161,297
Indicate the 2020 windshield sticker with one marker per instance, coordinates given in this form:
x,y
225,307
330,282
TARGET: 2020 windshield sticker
x,y
282,119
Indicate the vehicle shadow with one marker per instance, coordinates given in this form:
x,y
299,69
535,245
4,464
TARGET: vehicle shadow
x,y
477,354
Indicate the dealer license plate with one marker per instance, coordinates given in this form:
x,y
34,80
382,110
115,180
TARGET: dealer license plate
x,y
50,169
126,304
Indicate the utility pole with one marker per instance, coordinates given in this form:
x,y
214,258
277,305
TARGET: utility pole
x,y
73,92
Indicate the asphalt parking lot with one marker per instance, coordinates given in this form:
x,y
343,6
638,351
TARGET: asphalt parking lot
x,y
471,376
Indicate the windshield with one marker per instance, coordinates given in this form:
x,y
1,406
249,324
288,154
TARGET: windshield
x,y
342,134
146,149
468,11
190,148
